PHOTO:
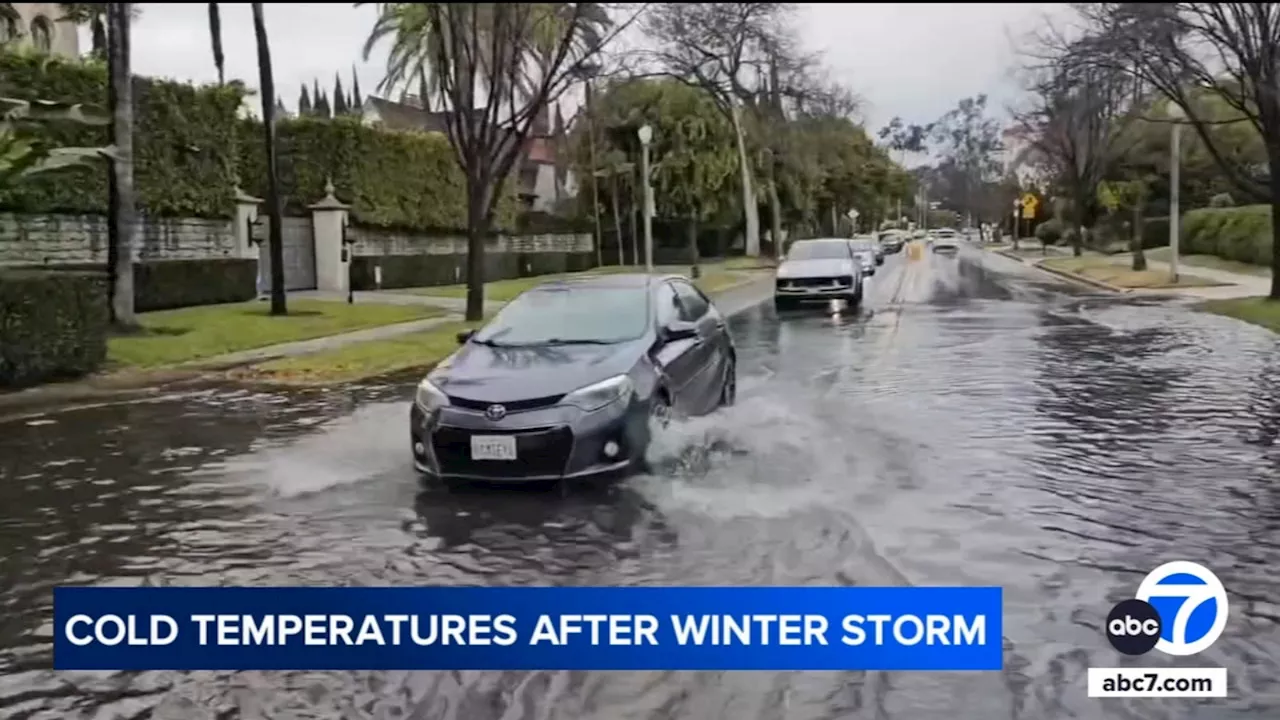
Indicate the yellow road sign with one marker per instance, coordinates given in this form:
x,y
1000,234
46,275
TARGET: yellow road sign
x,y
1029,203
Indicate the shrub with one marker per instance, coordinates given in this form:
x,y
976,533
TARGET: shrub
x,y
184,146
55,325
1222,200
1240,233
1049,232
166,284
398,180
1155,232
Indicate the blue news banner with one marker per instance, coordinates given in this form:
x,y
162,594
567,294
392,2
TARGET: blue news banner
x,y
540,628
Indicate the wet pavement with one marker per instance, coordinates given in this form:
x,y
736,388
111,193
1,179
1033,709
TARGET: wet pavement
x,y
974,424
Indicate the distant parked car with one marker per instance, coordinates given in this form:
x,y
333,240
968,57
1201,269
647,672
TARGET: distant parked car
x,y
569,379
823,269
865,250
892,241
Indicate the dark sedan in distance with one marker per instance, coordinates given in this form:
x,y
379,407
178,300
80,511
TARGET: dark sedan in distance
x,y
569,379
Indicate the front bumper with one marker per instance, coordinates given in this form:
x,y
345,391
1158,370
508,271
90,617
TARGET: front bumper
x,y
555,443
787,289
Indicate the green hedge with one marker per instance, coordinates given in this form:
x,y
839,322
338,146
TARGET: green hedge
x,y
1241,233
1155,232
401,180
184,144
401,271
55,325
167,284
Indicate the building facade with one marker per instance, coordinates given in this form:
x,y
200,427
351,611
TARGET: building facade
x,y
38,25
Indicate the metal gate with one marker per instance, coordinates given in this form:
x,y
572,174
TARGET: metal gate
x,y
299,253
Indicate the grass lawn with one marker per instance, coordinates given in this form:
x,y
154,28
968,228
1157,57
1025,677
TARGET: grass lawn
x,y
176,336
1103,270
362,360
1256,310
715,276
1214,262
505,290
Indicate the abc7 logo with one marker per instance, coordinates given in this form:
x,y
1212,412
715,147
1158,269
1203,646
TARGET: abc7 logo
x,y
1134,627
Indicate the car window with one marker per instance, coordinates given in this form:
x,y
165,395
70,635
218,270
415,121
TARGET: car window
x,y
666,306
693,304
565,313
833,250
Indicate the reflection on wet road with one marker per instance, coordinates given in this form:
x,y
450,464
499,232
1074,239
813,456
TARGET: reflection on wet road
x,y
972,425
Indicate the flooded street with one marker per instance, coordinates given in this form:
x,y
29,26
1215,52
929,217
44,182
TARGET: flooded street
x,y
972,425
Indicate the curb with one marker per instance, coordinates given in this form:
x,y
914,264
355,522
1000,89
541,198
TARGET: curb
x,y
1074,277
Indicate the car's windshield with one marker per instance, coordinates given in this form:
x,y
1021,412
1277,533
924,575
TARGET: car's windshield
x,y
818,251
566,314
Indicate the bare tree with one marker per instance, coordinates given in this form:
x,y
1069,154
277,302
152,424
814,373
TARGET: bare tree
x,y
724,48
1075,130
1191,52
123,200
496,67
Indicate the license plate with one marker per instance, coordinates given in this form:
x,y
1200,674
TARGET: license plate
x,y
493,447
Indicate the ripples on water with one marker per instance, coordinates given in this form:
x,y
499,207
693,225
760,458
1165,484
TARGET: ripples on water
x,y
963,429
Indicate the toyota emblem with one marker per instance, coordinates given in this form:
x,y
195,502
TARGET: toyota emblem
x,y
495,412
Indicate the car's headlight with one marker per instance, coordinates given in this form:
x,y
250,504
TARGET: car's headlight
x,y
429,397
598,395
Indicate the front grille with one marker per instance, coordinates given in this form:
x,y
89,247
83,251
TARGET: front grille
x,y
541,451
816,282
511,406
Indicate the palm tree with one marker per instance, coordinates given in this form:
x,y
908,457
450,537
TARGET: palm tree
x,y
95,16
122,201
215,37
414,41
275,245
274,213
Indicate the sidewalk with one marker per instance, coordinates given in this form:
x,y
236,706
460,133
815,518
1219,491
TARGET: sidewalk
x,y
1239,285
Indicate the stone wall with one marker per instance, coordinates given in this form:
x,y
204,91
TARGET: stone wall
x,y
76,239
376,242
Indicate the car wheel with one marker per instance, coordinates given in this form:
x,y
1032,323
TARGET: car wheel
x,y
781,304
659,411
729,392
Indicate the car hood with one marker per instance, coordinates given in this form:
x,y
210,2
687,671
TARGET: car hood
x,y
824,267
505,374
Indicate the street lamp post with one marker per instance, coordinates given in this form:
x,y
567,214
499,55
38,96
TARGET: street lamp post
x,y
1177,115
645,134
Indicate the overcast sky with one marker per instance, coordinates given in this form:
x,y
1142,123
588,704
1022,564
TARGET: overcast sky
x,y
909,60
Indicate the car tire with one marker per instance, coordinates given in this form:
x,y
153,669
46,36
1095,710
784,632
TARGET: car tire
x,y
781,304
729,391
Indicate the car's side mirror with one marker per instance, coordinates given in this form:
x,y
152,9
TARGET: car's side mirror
x,y
679,330
465,336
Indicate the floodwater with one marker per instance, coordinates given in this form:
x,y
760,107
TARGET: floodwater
x,y
972,425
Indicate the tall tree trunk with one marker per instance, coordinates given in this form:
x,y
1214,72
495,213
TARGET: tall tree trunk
x,y
775,212
215,38
694,271
125,216
1275,226
617,220
275,215
751,211
635,210
1139,256
595,181
477,230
